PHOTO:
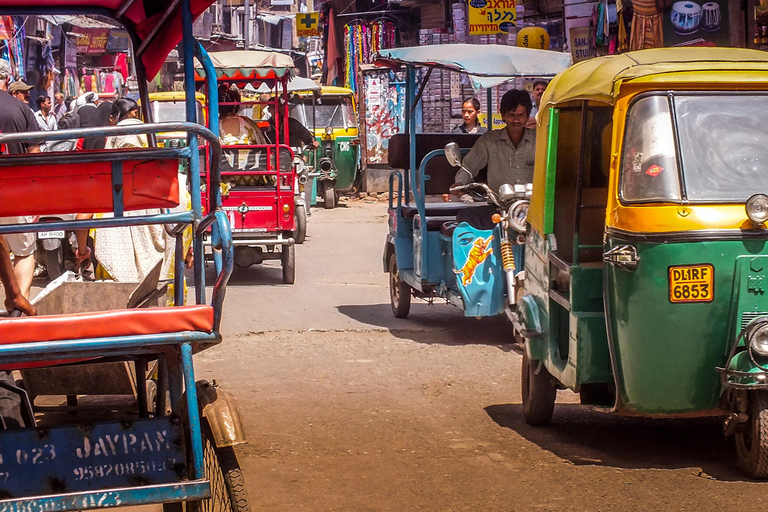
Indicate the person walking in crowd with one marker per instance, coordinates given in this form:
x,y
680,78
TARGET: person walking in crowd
x,y
470,108
539,86
508,153
59,107
20,91
16,117
46,119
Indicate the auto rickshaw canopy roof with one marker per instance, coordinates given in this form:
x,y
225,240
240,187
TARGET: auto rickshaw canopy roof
x,y
248,65
599,79
297,85
487,65
148,19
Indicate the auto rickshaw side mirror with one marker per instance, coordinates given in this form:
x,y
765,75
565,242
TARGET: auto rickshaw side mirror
x,y
453,154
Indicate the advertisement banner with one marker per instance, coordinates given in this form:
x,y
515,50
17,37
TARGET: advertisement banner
x,y
308,24
491,16
697,23
92,40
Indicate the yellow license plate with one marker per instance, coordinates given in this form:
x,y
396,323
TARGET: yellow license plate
x,y
691,283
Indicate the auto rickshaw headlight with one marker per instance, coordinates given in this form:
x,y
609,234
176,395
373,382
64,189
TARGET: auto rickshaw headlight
x,y
329,130
758,340
757,208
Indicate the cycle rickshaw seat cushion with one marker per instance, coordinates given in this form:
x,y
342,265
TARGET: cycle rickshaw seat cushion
x,y
102,324
37,189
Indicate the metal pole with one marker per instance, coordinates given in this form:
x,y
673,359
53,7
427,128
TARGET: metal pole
x,y
247,25
188,45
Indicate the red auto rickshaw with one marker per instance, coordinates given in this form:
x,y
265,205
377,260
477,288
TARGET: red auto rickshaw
x,y
258,178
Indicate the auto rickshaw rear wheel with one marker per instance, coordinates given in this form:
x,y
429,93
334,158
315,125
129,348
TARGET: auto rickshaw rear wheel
x,y
300,234
228,492
288,260
539,393
752,440
399,291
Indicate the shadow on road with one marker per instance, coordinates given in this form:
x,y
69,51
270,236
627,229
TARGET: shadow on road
x,y
438,324
270,274
584,436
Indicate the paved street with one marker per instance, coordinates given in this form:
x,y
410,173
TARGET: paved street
x,y
348,409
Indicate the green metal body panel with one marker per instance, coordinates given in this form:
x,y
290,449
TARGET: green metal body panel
x,y
666,353
346,157
573,345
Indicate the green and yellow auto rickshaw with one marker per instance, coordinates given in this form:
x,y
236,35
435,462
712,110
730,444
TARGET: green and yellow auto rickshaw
x,y
337,159
647,253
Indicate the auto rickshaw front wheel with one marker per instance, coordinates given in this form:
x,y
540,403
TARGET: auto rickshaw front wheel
x,y
752,438
539,393
329,196
288,260
300,234
399,291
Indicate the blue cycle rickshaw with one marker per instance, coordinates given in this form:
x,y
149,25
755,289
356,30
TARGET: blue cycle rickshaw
x,y
427,254
172,442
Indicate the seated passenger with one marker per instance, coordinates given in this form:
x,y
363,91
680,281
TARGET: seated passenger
x,y
298,134
235,129
507,152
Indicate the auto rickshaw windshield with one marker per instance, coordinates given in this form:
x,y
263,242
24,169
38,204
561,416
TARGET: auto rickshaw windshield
x,y
333,111
722,146
173,111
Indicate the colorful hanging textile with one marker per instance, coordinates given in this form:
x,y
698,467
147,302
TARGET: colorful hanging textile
x,y
361,41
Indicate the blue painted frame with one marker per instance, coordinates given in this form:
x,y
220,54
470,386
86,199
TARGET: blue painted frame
x,y
177,347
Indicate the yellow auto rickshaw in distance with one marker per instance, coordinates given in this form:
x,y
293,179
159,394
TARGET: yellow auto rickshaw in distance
x,y
647,254
168,107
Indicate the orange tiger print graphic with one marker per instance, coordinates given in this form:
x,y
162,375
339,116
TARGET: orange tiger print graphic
x,y
479,252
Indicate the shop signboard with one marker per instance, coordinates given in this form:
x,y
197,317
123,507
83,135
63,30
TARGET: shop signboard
x,y
581,47
491,16
92,40
70,53
118,41
308,24
697,23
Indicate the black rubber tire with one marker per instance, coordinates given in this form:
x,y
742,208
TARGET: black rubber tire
x,y
228,492
539,393
288,259
54,263
300,230
399,291
752,441
329,197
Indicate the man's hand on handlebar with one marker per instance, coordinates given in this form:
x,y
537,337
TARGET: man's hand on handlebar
x,y
458,190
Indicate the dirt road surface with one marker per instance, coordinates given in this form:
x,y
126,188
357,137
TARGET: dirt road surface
x,y
349,409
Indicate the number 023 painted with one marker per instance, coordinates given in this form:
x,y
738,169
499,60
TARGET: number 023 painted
x,y
692,283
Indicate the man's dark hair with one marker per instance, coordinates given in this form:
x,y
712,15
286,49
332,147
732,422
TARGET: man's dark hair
x,y
40,100
513,99
539,82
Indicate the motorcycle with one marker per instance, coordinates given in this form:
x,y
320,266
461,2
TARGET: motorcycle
x,y
56,249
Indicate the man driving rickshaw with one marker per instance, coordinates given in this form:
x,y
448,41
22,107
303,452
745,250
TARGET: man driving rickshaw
x,y
508,153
